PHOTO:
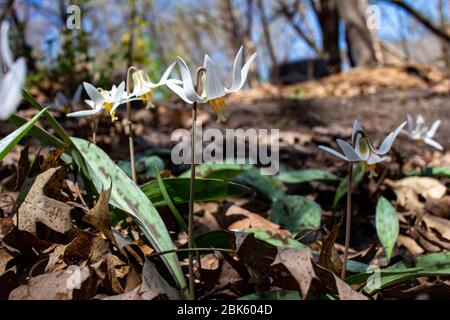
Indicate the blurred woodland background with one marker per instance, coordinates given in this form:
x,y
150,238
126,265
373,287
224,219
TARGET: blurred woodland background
x,y
296,39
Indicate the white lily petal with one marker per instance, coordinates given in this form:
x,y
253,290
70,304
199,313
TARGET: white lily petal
x,y
11,88
410,121
90,103
433,129
77,96
389,140
356,128
237,67
334,152
5,49
188,85
348,150
374,158
178,90
166,74
62,99
433,143
93,93
214,85
362,149
419,122
239,82
120,102
85,113
118,94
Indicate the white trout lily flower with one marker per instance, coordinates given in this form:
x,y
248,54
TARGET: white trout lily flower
x,y
66,103
421,133
214,90
103,100
362,149
143,87
12,76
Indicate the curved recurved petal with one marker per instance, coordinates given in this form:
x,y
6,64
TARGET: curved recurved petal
x,y
240,77
356,128
165,76
93,93
179,91
433,143
389,140
5,49
334,152
348,150
119,92
85,113
374,158
410,121
433,129
62,99
214,85
77,95
189,93
11,88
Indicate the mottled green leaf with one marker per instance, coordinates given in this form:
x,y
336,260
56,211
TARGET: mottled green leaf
x,y
128,197
387,225
439,172
296,213
223,171
268,186
308,175
275,238
205,190
8,142
144,166
357,176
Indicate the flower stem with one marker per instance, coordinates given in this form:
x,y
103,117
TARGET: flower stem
x,y
192,190
349,218
130,128
191,204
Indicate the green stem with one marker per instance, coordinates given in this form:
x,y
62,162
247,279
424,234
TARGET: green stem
x,y
349,218
130,128
192,190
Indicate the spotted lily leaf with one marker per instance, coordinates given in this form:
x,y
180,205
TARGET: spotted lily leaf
x,y
128,197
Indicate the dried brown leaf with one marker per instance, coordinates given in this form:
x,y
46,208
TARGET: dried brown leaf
x,y
37,207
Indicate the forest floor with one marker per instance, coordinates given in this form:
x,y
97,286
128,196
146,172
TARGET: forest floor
x,y
308,115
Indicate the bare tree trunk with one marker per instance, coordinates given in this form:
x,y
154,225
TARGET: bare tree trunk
x,y
361,51
364,5
327,13
269,44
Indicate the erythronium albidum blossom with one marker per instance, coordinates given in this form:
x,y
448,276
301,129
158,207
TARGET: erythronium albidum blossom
x,y
362,149
66,103
103,100
143,87
12,76
420,133
214,90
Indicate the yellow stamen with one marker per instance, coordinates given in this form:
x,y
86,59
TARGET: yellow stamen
x,y
372,170
108,107
147,98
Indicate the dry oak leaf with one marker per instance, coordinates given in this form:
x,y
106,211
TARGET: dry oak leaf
x,y
99,216
237,218
5,257
440,225
408,190
37,207
51,286
298,262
